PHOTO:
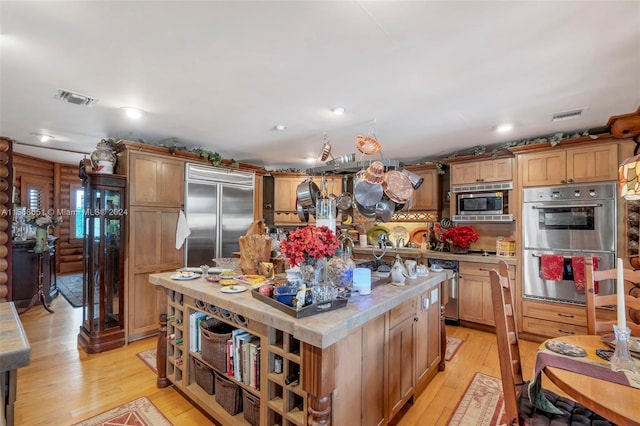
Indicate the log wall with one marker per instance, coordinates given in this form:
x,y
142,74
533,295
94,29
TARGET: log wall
x,y
6,190
60,178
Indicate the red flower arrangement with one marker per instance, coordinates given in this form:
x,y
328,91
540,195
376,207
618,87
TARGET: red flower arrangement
x,y
461,236
309,244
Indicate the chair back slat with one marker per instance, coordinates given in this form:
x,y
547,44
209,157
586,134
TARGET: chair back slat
x,y
595,326
507,338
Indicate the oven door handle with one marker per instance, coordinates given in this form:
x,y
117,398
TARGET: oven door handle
x,y
566,257
565,206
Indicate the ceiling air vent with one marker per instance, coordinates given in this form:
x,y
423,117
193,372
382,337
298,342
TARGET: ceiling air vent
x,y
75,98
566,115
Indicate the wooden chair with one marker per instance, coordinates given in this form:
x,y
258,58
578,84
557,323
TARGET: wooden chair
x,y
595,326
518,408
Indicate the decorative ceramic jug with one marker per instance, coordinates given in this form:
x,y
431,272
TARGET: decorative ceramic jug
x,y
398,272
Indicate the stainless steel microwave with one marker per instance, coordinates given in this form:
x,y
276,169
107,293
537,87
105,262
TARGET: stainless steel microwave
x,y
482,203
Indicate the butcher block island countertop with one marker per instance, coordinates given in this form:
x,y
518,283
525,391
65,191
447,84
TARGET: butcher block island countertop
x,y
357,365
320,330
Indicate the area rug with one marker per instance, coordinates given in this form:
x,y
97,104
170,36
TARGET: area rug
x,y
453,344
70,286
482,403
140,412
149,358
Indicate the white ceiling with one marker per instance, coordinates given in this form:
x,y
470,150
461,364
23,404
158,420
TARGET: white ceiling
x,y
437,77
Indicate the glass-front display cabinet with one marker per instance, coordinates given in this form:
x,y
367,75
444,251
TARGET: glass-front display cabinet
x,y
103,218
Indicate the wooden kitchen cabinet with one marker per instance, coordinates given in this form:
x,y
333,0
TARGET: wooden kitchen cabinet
x,y
485,171
151,249
427,350
475,303
400,362
284,192
155,197
156,180
427,197
573,165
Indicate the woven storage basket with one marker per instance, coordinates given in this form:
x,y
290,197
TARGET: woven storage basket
x,y
204,376
228,394
251,408
214,342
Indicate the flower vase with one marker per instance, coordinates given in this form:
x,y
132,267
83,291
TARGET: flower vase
x,y
313,273
41,240
456,249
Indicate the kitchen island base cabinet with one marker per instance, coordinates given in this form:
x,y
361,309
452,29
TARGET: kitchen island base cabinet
x,y
364,378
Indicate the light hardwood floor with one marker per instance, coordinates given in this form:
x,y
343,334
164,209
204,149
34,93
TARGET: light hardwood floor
x,y
63,385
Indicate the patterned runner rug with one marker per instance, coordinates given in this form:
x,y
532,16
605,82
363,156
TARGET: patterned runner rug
x,y
140,412
149,358
70,286
453,344
482,404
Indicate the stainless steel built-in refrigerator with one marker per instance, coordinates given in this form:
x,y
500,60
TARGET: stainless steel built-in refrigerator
x,y
219,209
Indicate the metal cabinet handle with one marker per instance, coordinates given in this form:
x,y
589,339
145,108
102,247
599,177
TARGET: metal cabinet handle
x,y
566,331
485,269
415,319
571,181
564,315
563,181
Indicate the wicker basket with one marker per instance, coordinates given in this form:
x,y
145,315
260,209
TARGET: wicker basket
x,y
215,334
204,376
251,408
228,394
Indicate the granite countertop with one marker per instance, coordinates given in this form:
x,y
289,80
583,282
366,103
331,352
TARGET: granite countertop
x,y
321,330
433,254
15,350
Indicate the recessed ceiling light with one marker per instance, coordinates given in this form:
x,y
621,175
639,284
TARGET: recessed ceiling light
x,y
133,113
280,127
338,110
503,128
42,137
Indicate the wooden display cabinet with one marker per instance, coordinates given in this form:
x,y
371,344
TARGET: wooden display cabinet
x,y
484,171
103,326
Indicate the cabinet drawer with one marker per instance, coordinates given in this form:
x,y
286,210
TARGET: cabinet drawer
x,y
473,268
402,312
565,314
551,328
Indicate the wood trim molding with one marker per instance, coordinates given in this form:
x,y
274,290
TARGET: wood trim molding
x,y
185,155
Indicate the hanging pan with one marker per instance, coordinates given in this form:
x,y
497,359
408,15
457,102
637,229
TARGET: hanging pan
x,y
344,200
367,194
307,193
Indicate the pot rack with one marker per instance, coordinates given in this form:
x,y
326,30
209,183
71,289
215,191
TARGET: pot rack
x,y
350,167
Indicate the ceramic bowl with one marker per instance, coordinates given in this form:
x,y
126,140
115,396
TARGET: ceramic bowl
x,y
285,294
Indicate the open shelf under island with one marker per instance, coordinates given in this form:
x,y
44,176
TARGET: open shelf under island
x,y
356,365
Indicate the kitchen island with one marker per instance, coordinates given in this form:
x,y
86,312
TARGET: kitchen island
x,y
356,365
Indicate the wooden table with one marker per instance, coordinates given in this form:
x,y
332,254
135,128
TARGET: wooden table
x,y
15,352
616,402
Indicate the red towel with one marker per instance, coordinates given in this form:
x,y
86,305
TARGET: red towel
x,y
577,264
551,266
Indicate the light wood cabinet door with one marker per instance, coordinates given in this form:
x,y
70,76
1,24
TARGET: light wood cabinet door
x,y
427,197
373,372
483,171
592,164
427,336
152,249
284,191
155,180
497,170
462,173
543,168
400,362
574,165
475,303
471,298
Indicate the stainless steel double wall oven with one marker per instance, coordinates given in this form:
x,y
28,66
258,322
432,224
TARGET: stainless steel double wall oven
x,y
570,220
